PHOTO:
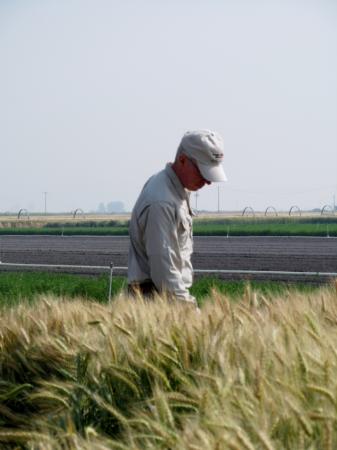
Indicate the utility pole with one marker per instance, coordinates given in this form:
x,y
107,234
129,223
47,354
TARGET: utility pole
x,y
196,200
218,198
45,203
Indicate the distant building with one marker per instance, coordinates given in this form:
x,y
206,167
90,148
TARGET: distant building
x,y
111,207
115,207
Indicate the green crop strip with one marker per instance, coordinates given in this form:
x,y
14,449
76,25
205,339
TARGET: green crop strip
x,y
286,226
24,285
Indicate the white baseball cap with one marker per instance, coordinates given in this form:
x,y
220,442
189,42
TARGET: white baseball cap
x,y
206,148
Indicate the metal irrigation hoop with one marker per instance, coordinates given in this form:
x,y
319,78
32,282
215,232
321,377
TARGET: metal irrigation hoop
x,y
270,208
23,212
248,208
78,211
295,207
327,208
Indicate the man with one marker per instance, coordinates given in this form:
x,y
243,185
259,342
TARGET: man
x,y
161,223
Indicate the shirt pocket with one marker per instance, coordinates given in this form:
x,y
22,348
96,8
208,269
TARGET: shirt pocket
x,y
185,231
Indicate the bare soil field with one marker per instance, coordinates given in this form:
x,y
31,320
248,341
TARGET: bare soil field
x,y
298,254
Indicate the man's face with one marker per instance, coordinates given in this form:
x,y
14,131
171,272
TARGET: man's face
x,y
191,177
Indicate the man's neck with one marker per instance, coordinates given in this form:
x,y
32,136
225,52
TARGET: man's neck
x,y
175,168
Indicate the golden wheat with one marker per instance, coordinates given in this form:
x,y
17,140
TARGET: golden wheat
x,y
260,373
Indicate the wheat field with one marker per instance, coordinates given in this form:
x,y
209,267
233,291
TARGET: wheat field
x,y
259,373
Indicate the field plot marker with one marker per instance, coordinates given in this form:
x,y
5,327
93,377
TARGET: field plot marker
x,y
110,280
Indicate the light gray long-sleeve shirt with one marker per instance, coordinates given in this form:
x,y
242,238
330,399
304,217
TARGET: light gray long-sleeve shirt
x,y
161,242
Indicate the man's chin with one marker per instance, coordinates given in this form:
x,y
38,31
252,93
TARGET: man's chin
x,y
195,187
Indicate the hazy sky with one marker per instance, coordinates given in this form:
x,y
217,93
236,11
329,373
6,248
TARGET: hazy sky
x,y
95,96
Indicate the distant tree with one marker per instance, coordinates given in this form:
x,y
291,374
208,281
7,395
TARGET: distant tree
x,y
115,207
101,208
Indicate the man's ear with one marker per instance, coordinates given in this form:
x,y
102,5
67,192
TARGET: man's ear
x,y
182,158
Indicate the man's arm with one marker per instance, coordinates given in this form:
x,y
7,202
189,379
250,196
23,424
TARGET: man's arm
x,y
162,248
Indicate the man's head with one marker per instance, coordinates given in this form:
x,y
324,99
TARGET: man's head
x,y
199,159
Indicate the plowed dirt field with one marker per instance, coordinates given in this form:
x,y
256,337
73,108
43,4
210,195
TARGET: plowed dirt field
x,y
298,254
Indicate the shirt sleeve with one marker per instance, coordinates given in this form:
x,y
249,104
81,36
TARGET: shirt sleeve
x,y
162,247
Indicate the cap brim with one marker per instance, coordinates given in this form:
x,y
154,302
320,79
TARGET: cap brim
x,y
214,173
